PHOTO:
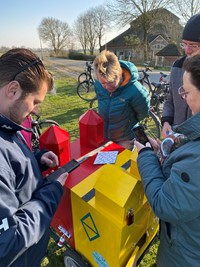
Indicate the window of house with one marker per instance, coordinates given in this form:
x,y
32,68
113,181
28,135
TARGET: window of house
x,y
121,55
157,47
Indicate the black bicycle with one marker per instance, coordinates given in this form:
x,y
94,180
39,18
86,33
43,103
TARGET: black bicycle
x,y
158,91
38,126
85,88
87,74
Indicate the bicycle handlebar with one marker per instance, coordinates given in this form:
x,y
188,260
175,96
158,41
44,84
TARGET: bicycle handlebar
x,y
147,69
88,63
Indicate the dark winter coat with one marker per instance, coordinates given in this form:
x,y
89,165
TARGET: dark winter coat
x,y
27,202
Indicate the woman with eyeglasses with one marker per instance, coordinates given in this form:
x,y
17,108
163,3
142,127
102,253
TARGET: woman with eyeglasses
x,y
175,111
122,100
173,186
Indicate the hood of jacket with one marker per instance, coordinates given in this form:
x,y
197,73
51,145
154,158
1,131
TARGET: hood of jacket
x,y
190,127
131,68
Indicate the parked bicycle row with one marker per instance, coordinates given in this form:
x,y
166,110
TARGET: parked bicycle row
x,y
158,91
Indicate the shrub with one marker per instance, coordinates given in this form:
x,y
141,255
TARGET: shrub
x,y
80,56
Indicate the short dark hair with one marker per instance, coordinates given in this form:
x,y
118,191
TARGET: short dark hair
x,y
24,66
192,65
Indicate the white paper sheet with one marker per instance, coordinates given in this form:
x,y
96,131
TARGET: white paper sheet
x,y
105,157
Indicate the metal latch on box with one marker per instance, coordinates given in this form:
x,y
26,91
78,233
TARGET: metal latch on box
x,y
64,231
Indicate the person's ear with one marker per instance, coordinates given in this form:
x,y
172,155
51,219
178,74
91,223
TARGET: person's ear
x,y
13,89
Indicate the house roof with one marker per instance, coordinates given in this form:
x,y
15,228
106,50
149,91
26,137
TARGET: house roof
x,y
120,38
170,50
160,28
165,25
152,38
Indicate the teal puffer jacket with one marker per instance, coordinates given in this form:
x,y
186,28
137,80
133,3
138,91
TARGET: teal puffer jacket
x,y
173,191
123,109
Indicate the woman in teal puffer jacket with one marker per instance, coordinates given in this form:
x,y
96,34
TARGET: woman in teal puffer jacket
x,y
173,186
122,100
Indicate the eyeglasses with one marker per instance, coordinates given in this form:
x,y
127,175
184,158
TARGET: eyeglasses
x,y
192,46
25,67
182,92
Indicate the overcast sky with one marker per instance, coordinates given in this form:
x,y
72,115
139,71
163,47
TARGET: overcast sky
x,y
21,18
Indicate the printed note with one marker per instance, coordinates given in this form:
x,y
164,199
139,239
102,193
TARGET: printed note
x,y
105,157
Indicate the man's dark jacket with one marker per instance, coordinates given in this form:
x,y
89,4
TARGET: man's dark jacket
x,y
27,201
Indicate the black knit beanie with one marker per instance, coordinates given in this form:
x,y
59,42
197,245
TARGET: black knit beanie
x,y
191,32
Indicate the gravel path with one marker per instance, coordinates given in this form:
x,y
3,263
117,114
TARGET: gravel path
x,y
65,67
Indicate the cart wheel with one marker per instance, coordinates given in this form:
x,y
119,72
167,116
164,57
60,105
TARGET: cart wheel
x,y
73,259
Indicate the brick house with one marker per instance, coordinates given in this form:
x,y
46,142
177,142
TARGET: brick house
x,y
165,30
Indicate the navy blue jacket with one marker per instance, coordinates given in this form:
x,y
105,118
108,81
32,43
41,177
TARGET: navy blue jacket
x,y
122,110
27,201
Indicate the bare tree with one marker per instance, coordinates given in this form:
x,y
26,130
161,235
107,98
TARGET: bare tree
x,y
84,28
80,27
91,26
56,33
101,22
187,8
91,30
126,11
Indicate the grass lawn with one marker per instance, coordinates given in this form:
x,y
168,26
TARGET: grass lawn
x,y
66,107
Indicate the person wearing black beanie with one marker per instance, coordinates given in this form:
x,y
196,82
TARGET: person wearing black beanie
x,y
175,110
191,31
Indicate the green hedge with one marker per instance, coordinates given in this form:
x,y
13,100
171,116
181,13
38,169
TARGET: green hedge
x,y
80,56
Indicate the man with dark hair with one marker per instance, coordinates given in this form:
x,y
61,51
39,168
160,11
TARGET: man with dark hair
x,y
175,110
27,201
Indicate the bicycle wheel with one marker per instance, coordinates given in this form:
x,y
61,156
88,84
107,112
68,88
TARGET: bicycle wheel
x,y
161,98
157,105
86,91
152,125
73,259
82,77
46,123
